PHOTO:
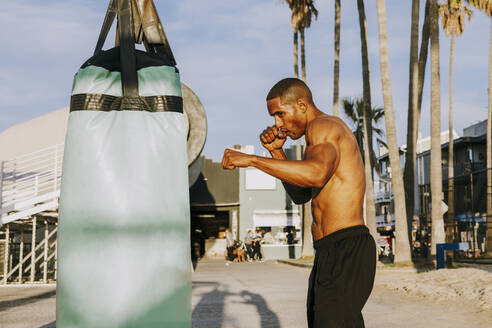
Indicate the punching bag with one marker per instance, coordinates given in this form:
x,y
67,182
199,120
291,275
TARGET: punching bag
x,y
124,228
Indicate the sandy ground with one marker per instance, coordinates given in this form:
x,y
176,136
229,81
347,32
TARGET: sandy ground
x,y
462,285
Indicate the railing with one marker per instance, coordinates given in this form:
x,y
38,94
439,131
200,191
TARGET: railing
x,y
463,169
30,179
385,196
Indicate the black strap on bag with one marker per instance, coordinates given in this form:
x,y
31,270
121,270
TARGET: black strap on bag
x,y
149,30
108,21
154,39
129,77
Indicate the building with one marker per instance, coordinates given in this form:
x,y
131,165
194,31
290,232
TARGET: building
x,y
243,199
469,221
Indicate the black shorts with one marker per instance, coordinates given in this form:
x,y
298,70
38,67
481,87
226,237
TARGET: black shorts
x,y
341,279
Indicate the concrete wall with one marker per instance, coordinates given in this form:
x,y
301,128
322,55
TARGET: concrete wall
x,y
475,130
36,134
272,202
215,186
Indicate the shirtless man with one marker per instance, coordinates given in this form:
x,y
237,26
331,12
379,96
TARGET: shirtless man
x,y
332,176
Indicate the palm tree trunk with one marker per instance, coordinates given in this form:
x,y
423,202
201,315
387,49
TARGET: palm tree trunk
x,y
296,74
366,80
296,54
402,251
450,221
424,48
336,68
436,159
370,205
489,156
366,86
411,155
303,55
307,247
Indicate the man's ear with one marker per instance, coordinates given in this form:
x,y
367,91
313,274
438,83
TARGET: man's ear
x,y
302,105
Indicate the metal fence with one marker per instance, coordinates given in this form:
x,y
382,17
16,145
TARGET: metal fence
x,y
469,222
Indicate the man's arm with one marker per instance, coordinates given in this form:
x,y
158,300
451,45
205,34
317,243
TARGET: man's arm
x,y
298,195
313,172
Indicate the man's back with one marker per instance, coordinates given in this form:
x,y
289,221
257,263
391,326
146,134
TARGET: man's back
x,y
338,204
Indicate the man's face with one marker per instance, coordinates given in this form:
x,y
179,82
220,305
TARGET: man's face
x,y
289,117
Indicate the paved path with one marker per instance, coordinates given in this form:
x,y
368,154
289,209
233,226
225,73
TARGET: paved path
x,y
270,295
27,306
255,295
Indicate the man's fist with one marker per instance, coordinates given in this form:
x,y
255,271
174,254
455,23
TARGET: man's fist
x,y
233,159
272,139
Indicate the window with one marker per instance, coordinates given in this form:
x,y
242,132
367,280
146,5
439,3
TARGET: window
x,y
259,180
279,227
279,236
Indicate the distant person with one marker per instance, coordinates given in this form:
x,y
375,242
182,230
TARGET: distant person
x,y
258,237
248,242
268,238
290,236
332,176
229,244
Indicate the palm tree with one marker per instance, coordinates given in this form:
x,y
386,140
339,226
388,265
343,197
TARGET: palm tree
x,y
489,154
424,49
486,6
453,23
353,109
302,13
305,12
402,251
437,235
414,111
336,57
295,22
410,156
369,156
301,17
295,27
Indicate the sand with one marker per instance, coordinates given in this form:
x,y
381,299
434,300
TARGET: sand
x,y
470,286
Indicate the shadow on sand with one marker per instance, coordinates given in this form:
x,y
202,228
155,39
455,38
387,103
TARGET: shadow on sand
x,y
5,305
209,312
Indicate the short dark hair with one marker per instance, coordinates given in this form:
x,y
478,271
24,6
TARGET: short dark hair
x,y
290,89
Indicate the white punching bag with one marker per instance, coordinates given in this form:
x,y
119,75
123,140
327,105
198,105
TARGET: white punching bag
x,y
124,226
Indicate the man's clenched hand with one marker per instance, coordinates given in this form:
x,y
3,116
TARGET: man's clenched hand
x,y
272,139
233,159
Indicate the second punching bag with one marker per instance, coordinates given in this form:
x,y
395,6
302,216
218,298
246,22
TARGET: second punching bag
x,y
123,241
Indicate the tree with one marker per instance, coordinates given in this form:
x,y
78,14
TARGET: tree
x,y
453,23
306,10
295,26
486,6
412,121
436,159
302,13
353,109
402,249
369,157
414,110
336,58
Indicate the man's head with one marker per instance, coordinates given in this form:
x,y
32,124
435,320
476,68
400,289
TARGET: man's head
x,y
288,102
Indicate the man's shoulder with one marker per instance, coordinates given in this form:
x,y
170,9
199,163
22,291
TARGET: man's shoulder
x,y
325,128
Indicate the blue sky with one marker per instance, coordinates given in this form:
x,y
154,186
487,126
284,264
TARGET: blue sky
x,y
230,53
